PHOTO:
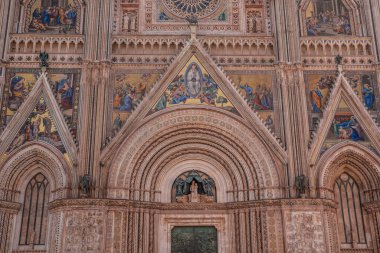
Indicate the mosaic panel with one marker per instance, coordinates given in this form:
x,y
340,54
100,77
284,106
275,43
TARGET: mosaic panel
x,y
53,16
258,91
65,84
194,86
328,18
129,89
39,126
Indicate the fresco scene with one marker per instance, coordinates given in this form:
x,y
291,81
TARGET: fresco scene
x,y
20,85
194,86
39,127
345,126
327,18
129,89
364,86
64,89
258,91
318,88
64,86
57,16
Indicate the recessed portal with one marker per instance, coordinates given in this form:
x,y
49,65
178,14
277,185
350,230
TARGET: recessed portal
x,y
194,240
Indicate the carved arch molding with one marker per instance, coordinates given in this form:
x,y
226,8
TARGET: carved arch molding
x,y
167,139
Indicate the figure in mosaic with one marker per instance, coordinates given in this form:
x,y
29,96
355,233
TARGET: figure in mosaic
x,y
326,18
53,16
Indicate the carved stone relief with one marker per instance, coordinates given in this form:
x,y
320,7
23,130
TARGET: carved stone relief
x,y
84,232
304,232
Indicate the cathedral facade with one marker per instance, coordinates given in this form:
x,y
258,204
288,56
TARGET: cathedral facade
x,y
190,126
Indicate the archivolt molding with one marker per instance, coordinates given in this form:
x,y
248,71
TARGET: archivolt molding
x,y
183,144
41,88
349,157
142,159
343,91
30,159
194,47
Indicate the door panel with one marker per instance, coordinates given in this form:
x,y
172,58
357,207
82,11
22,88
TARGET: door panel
x,y
194,240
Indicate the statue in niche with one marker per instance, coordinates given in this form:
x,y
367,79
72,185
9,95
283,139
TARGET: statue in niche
x,y
194,187
84,186
194,197
301,185
179,186
255,22
130,21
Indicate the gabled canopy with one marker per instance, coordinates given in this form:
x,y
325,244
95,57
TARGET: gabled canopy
x,y
41,93
193,52
343,94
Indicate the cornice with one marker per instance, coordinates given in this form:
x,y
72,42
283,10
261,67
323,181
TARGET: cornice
x,y
107,204
11,207
372,207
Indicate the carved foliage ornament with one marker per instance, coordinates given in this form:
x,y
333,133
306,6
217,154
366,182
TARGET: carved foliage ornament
x,y
185,8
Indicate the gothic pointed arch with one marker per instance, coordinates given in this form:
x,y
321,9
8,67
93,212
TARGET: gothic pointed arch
x,y
350,175
343,95
32,176
30,159
193,52
202,139
40,107
354,158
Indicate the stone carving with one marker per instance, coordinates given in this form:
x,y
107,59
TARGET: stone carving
x,y
256,23
192,19
44,57
304,232
130,21
194,187
85,185
301,185
338,59
83,232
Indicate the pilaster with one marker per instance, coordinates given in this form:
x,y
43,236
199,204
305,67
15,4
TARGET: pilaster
x,y
374,20
295,121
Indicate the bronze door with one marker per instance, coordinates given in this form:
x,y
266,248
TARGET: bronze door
x,y
194,240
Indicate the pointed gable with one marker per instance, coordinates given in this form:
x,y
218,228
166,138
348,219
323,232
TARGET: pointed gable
x,y
193,52
39,118
193,86
345,127
64,85
345,119
39,126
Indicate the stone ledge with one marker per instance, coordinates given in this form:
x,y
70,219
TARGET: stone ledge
x,y
372,206
120,203
10,206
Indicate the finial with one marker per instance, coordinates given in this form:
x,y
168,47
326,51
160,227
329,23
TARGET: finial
x,y
193,23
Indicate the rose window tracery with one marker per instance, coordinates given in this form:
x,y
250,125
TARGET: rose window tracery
x,y
199,8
